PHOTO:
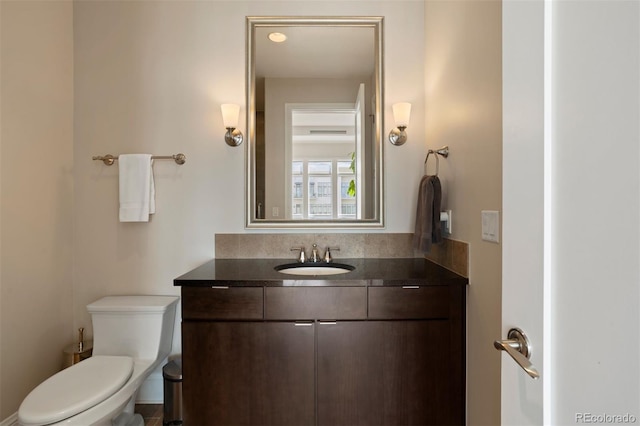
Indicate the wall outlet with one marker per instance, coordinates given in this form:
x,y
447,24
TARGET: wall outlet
x,y
275,211
491,226
447,221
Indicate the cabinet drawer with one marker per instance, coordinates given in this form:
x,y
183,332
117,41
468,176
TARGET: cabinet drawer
x,y
222,303
291,303
408,302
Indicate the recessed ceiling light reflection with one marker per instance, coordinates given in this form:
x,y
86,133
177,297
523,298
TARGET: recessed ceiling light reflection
x,y
277,37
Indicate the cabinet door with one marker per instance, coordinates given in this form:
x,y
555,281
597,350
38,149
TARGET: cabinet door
x,y
386,373
248,373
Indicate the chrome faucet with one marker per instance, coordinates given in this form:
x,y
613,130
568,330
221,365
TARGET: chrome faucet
x,y
315,257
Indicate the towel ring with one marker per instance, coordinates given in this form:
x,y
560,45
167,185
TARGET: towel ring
x,y
444,151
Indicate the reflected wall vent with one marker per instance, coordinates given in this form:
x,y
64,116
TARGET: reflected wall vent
x,y
327,132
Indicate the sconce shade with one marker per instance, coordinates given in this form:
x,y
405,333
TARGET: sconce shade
x,y
230,114
402,113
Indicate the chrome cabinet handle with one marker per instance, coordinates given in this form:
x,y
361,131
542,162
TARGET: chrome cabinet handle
x,y
517,345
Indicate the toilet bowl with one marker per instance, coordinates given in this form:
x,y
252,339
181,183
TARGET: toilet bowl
x,y
132,335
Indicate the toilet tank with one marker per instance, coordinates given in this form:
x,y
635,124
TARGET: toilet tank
x,y
137,326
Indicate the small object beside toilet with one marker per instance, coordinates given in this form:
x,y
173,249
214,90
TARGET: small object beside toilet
x,y
172,374
79,351
81,339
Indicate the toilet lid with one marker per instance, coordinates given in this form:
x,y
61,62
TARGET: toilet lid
x,y
75,389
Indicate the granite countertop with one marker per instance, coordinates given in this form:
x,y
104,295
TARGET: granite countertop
x,y
368,272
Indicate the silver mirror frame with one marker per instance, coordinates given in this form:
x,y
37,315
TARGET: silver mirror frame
x,y
253,22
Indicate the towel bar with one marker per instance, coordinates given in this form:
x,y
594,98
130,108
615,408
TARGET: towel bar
x,y
109,159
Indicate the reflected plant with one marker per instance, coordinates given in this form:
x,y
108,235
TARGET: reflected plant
x,y
351,191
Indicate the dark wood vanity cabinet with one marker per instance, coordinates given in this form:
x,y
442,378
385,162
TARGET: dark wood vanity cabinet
x,y
331,356
248,373
384,373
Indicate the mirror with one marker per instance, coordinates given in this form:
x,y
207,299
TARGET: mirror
x,y
314,148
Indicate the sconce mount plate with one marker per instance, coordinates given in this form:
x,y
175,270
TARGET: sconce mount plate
x,y
398,136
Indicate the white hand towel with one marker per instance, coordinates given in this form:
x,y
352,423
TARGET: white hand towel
x,y
137,189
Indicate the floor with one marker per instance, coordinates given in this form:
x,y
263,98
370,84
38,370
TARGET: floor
x,y
152,414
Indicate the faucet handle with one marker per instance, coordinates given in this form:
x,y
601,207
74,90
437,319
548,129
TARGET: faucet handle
x,y
302,257
327,254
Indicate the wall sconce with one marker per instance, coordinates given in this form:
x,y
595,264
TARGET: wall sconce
x,y
401,114
230,114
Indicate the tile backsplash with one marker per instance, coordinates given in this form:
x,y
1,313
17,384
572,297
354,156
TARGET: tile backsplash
x,y
278,246
451,254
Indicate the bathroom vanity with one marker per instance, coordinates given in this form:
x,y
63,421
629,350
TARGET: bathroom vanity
x,y
383,344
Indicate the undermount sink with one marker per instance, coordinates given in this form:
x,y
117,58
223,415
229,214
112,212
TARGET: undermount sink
x,y
314,269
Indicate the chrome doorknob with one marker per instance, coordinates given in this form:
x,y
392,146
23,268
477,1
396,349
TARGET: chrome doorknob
x,y
518,347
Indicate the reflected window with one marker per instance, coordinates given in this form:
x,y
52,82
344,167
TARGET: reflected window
x,y
323,189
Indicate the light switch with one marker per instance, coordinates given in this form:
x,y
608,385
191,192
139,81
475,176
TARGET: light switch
x,y
275,211
491,226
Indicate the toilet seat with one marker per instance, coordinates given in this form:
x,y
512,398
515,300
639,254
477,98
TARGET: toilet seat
x,y
75,389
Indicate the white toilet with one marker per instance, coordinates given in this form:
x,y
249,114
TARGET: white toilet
x,y
132,335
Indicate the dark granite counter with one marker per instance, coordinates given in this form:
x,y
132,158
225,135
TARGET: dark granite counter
x,y
368,272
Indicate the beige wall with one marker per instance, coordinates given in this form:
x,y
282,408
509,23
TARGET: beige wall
x,y
36,142
463,110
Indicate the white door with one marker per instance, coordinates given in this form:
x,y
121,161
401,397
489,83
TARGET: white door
x,y
571,212
523,205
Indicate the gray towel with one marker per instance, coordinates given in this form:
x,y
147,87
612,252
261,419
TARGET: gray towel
x,y
428,214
